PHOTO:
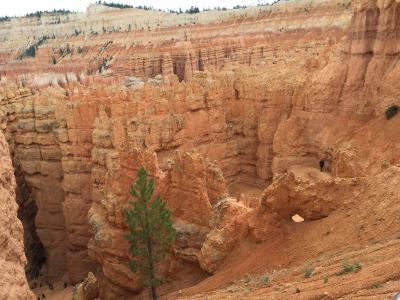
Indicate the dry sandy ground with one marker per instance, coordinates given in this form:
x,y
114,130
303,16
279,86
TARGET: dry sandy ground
x,y
363,231
58,293
378,278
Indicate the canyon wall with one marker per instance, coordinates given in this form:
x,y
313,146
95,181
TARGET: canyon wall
x,y
355,91
13,282
215,110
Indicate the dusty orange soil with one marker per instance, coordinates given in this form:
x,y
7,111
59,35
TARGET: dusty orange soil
x,y
238,188
364,230
379,278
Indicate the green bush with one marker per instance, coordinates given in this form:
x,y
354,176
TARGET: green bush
x,y
348,267
266,280
391,111
308,271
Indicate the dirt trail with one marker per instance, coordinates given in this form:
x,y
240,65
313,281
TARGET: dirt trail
x,y
309,173
58,293
239,188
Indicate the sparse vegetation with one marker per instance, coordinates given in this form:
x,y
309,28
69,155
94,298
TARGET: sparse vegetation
x,y
64,51
391,111
376,285
30,51
5,19
239,7
115,5
326,278
39,13
308,271
348,267
104,65
266,280
144,7
192,10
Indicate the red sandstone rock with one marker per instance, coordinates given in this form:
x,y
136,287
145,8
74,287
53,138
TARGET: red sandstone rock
x,y
202,107
13,282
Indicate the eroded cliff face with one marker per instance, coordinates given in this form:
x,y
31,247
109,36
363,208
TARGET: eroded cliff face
x,y
217,112
12,257
356,91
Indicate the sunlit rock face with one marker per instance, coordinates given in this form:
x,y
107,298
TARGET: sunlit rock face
x,y
12,257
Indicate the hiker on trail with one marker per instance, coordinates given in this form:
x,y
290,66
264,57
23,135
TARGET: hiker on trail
x,y
321,164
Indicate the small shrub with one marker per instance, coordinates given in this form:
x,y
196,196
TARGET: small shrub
x,y
326,279
376,285
105,64
266,280
348,267
308,271
391,111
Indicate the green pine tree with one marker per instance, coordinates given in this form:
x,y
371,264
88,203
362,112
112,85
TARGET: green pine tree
x,y
150,230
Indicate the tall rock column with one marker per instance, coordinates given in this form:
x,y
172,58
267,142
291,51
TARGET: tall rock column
x,y
76,118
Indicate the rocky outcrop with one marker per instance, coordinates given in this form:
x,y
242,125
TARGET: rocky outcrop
x,y
304,191
88,289
12,258
193,187
229,225
355,90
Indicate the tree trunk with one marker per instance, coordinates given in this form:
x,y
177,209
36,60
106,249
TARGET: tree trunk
x,y
153,292
151,267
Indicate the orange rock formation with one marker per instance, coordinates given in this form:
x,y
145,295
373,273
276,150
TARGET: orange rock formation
x,y
229,111
12,258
